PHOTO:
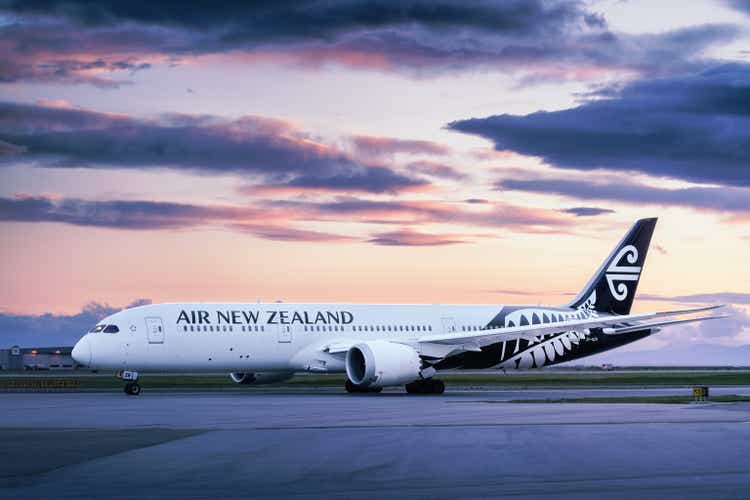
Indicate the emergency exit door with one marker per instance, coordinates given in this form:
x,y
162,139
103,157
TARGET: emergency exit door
x,y
155,330
449,325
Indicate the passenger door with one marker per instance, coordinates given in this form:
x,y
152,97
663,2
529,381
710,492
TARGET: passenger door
x,y
449,325
155,330
285,334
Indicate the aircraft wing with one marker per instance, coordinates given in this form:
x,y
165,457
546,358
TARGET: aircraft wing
x,y
609,324
660,324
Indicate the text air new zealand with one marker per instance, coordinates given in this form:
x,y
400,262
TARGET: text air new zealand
x,y
380,345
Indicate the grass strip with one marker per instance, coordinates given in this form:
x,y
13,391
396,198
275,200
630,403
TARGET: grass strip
x,y
730,398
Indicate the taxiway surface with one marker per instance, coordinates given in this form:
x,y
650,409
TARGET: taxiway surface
x,y
466,443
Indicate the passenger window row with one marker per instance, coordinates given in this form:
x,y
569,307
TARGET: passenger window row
x,y
472,328
317,328
222,328
324,328
391,328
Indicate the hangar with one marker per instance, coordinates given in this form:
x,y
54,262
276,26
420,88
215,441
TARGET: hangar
x,y
37,359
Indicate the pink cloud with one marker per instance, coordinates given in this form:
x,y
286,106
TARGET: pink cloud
x,y
281,233
382,146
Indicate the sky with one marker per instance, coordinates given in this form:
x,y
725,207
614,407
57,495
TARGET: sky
x,y
387,152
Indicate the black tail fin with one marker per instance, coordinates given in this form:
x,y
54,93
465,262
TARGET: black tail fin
x,y
612,289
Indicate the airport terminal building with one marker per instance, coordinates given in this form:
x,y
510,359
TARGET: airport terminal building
x,y
37,359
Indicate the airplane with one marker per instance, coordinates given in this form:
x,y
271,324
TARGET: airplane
x,y
382,345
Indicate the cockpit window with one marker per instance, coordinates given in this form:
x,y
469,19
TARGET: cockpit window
x,y
98,328
111,329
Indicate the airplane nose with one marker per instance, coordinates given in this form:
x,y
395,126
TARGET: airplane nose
x,y
82,352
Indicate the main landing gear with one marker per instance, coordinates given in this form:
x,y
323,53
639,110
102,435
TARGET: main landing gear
x,y
426,386
352,388
131,388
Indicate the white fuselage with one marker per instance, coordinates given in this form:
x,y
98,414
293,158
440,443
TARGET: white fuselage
x,y
261,336
380,345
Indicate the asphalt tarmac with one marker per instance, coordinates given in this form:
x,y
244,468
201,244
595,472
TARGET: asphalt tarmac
x,y
326,444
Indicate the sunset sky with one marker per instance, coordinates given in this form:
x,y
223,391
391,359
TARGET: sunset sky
x,y
413,151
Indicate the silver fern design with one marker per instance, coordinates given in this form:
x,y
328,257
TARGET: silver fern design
x,y
619,273
545,349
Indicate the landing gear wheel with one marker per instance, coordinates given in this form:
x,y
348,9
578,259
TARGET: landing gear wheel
x,y
132,389
426,386
413,388
438,387
352,388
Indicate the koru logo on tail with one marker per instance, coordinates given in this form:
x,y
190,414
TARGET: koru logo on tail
x,y
618,274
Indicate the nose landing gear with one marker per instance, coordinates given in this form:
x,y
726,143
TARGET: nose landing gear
x,y
131,388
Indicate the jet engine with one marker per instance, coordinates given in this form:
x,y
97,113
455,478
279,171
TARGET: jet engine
x,y
380,363
260,378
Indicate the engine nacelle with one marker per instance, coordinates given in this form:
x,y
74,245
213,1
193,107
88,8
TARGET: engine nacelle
x,y
260,378
380,363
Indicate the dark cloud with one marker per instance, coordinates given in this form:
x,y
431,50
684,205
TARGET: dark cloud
x,y
283,21
411,238
372,179
541,39
52,330
587,211
70,71
693,127
731,200
7,149
273,150
48,50
117,214
741,5
154,215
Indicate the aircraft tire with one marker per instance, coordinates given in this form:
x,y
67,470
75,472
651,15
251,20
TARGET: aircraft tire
x,y
427,386
418,387
438,387
353,388
132,389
